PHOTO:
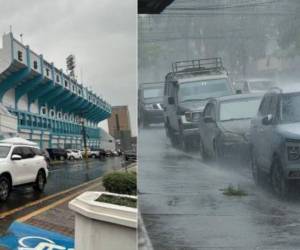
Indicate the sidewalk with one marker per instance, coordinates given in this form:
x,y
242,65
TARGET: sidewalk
x,y
58,217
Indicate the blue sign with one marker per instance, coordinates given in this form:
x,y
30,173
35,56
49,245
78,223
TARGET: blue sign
x,y
22,236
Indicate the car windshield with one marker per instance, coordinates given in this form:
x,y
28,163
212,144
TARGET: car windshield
x,y
4,150
153,92
260,85
239,109
290,111
198,90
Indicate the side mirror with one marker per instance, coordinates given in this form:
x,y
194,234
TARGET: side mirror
x,y
208,119
16,157
267,120
171,100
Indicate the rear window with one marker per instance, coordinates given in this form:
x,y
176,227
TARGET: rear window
x,y
4,150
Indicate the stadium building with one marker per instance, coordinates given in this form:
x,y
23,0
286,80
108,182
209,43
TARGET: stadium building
x,y
42,103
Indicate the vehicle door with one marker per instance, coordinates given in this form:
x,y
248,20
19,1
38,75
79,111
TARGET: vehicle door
x,y
208,130
22,169
259,131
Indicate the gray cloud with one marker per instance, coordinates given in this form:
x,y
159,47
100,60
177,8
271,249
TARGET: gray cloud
x,y
101,34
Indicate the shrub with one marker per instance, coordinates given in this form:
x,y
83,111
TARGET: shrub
x,y
120,183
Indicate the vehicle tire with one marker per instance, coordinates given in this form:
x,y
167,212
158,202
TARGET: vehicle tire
x,y
219,154
93,156
256,173
202,151
71,158
5,188
184,144
280,185
61,158
40,181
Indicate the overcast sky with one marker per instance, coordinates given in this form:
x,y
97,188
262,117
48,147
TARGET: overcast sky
x,y
100,33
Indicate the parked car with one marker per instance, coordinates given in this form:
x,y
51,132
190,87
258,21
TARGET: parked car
x,y
102,154
57,153
130,155
21,164
186,91
275,139
253,85
225,126
109,153
74,154
150,98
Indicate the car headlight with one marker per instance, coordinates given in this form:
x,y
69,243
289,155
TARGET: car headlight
x,y
148,106
293,152
188,116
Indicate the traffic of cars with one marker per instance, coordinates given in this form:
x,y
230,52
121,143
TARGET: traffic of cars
x,y
251,121
23,163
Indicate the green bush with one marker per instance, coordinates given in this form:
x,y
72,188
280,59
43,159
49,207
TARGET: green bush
x,y
120,183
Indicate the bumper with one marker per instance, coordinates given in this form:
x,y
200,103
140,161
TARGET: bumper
x,y
190,132
292,171
154,116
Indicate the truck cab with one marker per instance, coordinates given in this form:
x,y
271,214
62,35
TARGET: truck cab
x,y
186,91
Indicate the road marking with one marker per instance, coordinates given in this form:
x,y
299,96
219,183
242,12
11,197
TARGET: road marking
x,y
55,204
10,212
13,211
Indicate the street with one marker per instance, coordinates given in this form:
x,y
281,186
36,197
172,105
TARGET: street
x,y
61,177
183,206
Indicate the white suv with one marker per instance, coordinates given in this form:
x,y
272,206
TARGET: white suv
x,y
21,165
74,154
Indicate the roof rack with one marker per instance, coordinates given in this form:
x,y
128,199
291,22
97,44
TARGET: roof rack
x,y
199,65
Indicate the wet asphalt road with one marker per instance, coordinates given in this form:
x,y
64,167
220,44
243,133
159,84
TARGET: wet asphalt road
x,y
183,207
62,177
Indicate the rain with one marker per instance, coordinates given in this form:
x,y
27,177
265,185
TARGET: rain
x,y
219,147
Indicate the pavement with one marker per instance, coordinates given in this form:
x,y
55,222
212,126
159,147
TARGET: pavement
x,y
57,217
183,206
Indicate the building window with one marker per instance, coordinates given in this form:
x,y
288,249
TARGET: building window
x,y
57,78
35,65
20,55
73,88
66,84
47,72
44,111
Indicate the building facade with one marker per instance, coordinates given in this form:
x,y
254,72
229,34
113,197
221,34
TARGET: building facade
x,y
119,126
49,106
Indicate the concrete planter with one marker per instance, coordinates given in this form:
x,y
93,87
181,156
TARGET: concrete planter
x,y
101,225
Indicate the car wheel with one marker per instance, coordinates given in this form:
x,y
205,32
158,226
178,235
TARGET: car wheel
x,y
62,158
4,188
278,181
218,154
93,156
203,153
184,143
256,173
72,158
40,182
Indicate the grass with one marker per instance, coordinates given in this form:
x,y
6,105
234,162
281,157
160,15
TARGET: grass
x,y
116,200
234,191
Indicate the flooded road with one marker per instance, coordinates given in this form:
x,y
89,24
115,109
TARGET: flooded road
x,y
183,206
62,177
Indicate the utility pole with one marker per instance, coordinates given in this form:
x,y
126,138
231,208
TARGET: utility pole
x,y
83,132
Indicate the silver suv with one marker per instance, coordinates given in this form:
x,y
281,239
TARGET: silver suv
x,y
186,91
21,165
275,139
